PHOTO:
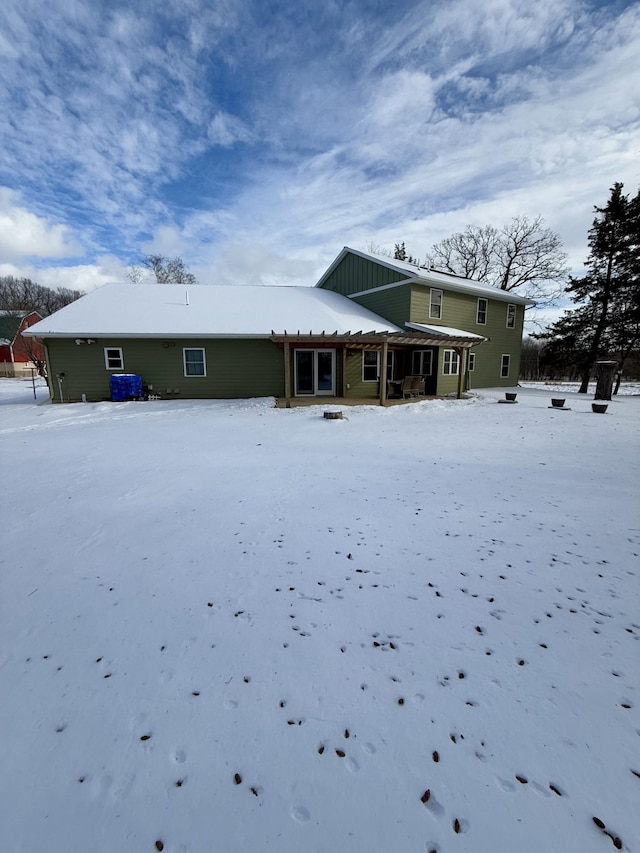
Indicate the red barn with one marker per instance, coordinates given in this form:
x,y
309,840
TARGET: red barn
x,y
17,354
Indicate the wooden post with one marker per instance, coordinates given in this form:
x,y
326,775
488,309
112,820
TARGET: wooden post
x,y
344,372
287,374
383,374
461,368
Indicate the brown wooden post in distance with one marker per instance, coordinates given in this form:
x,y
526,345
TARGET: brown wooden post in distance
x,y
287,374
383,374
461,368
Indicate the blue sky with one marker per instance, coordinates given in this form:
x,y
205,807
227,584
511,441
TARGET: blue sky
x,y
255,139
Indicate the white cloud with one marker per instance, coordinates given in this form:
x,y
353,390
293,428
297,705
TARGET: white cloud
x,y
25,235
226,130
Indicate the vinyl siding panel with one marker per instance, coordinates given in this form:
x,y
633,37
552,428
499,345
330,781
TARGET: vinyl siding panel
x,y
459,310
354,274
357,387
393,304
235,368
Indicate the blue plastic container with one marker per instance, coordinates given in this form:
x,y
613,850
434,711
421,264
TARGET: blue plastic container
x,y
125,386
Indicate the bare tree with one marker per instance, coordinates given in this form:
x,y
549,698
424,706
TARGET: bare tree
x,y
521,255
22,294
168,270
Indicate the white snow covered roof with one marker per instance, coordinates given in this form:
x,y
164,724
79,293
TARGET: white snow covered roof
x,y
207,311
443,331
428,277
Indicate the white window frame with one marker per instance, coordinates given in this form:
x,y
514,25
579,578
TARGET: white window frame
x,y
370,352
435,314
484,311
185,350
471,362
450,362
505,374
422,355
511,315
109,359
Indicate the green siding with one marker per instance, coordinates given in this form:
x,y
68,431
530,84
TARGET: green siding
x,y
357,387
459,310
235,368
354,274
393,304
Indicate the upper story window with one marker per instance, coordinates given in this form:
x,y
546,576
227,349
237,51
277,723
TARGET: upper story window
x,y
194,361
113,359
481,316
511,316
435,304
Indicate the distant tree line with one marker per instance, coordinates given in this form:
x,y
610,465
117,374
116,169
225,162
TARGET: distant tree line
x,y
21,294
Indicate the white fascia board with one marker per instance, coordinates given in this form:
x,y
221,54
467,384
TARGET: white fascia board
x,y
429,278
146,336
380,288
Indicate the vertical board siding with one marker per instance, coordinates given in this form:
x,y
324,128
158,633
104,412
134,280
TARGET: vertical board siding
x,y
235,368
354,274
459,310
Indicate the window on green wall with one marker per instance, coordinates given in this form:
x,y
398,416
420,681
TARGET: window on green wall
x,y
450,362
113,359
511,316
370,365
194,361
481,315
471,364
505,365
435,304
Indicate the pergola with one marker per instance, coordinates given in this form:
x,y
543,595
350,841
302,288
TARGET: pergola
x,y
381,341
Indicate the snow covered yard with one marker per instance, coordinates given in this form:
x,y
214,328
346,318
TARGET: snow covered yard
x,y
226,627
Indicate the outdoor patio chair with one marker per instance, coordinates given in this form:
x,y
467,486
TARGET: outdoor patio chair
x,y
417,386
407,387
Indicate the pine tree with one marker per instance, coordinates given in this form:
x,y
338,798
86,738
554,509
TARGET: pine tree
x,y
606,319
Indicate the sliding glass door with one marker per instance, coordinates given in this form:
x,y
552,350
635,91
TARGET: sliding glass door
x,y
314,372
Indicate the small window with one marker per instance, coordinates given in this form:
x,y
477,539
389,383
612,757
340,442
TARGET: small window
x,y
450,362
370,365
113,358
472,362
481,316
194,362
511,316
435,304
505,365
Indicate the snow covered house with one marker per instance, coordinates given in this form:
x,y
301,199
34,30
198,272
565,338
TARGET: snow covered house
x,y
368,324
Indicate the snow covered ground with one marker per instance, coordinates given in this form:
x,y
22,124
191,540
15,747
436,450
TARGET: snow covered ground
x,y
226,627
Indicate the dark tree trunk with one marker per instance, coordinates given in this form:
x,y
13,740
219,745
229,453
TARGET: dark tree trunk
x,y
605,371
